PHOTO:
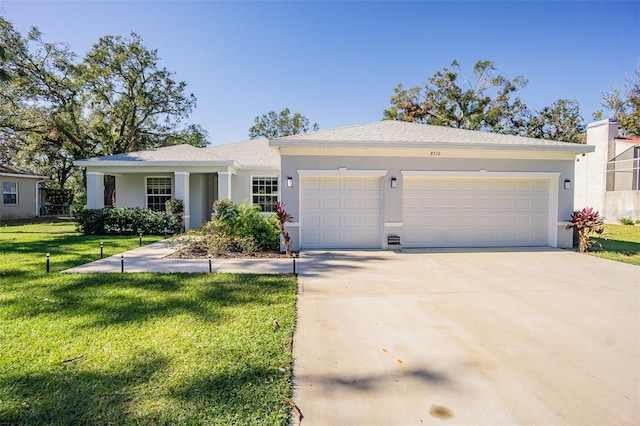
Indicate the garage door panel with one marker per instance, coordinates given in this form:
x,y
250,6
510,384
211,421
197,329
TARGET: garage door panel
x,y
352,203
330,184
540,204
450,212
329,221
522,203
330,203
504,204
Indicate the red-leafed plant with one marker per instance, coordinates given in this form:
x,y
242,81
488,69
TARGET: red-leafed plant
x,y
586,222
283,217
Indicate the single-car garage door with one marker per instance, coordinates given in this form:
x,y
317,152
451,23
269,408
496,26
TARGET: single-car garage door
x,y
340,212
458,212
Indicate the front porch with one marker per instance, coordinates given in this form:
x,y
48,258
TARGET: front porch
x,y
152,188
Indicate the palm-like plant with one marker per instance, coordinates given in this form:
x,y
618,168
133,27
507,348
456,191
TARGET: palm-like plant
x,y
586,222
283,217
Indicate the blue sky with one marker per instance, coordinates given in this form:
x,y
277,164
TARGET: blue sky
x,y
337,62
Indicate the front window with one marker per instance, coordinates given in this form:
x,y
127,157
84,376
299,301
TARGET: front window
x,y
264,191
158,193
10,192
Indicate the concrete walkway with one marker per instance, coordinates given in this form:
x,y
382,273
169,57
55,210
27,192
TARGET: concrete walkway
x,y
153,258
467,337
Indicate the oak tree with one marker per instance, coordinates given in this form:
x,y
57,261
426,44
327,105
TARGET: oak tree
x,y
488,101
275,125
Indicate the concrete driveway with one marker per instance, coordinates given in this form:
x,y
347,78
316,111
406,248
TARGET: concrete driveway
x,y
528,337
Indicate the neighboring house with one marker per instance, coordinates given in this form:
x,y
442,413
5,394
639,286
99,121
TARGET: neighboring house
x,y
351,187
22,194
609,178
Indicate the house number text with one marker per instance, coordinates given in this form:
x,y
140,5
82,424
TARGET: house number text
x,y
435,153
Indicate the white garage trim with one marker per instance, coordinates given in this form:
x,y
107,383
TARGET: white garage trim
x,y
480,174
552,177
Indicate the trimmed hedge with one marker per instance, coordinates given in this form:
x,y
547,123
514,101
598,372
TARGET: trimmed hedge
x,y
126,221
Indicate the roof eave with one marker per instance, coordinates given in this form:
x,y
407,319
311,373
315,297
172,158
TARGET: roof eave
x,y
146,163
18,175
573,148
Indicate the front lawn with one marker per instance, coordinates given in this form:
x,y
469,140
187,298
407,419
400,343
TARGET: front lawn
x,y
136,348
622,243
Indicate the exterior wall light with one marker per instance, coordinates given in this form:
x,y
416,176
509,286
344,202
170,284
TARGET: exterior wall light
x,y
567,184
394,182
289,182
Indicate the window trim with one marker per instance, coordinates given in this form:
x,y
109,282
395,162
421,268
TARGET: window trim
x,y
275,194
16,193
146,189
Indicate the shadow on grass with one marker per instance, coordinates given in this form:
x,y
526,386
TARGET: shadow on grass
x,y
627,248
65,396
114,299
228,393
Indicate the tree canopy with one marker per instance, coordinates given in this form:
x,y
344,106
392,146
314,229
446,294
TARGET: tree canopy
x,y
561,121
275,125
625,105
55,109
488,101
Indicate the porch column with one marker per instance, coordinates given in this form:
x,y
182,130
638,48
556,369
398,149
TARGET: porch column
x,y
182,194
95,190
224,185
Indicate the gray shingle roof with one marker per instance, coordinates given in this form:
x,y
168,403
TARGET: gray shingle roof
x,y
252,154
8,170
414,135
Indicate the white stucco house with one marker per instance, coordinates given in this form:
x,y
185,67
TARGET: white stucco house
x,y
609,178
351,187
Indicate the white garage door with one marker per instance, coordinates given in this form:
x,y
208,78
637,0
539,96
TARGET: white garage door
x,y
340,212
446,212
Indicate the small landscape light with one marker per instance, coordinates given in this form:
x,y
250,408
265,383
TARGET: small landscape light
x,y
210,269
122,263
48,259
101,249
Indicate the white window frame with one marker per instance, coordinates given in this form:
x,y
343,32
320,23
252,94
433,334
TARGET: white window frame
x,y
275,193
147,195
10,193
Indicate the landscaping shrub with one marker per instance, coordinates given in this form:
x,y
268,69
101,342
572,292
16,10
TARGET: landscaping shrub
x,y
125,221
244,227
175,209
626,221
586,222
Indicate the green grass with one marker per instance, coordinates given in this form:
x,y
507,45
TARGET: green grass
x,y
136,348
622,244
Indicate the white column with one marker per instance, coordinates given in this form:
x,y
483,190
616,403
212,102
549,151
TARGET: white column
x,y
182,194
95,190
224,185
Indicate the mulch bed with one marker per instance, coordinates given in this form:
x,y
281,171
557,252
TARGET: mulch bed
x,y
195,252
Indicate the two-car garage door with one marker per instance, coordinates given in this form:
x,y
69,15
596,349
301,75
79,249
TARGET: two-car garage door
x,y
450,212
347,212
